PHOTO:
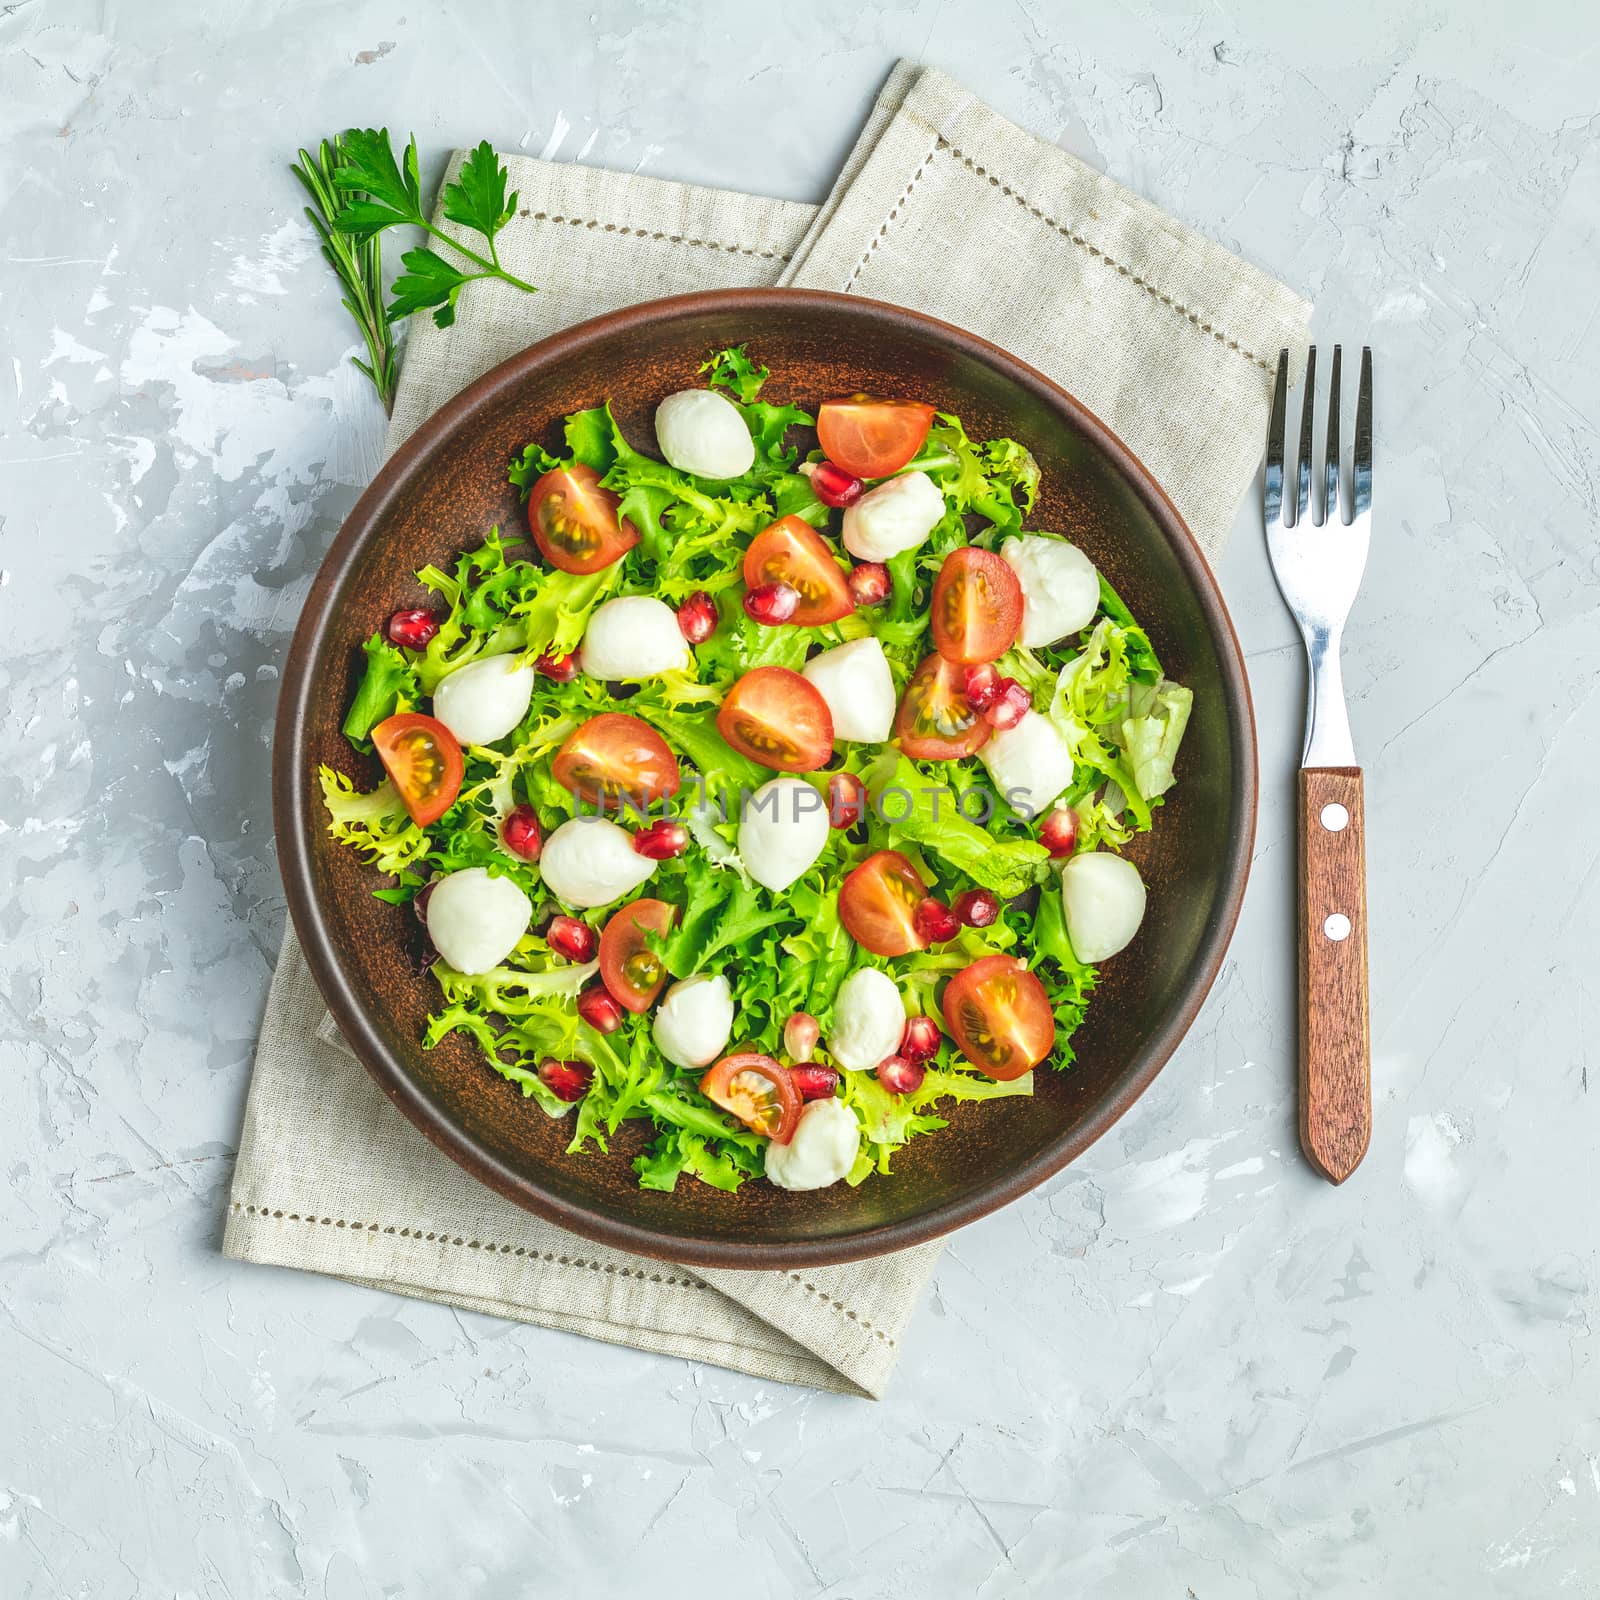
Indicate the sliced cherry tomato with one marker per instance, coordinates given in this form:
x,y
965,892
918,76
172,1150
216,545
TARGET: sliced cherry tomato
x,y
614,757
423,760
936,721
872,438
631,971
793,552
778,718
574,521
878,905
757,1091
977,606
999,1016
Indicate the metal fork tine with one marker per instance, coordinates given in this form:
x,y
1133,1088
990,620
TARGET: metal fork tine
x,y
1330,463
1302,469
1273,481
1362,498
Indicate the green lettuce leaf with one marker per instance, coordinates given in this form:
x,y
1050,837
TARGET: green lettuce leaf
x,y
724,911
387,685
734,371
1152,733
676,1151
932,820
375,824
889,1121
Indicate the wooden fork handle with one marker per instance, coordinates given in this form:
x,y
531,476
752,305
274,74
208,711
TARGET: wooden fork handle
x,y
1335,1052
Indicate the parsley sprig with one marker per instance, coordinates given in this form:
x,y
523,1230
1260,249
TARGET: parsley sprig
x,y
359,189
388,195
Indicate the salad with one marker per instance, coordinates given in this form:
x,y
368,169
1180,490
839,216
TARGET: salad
x,y
769,795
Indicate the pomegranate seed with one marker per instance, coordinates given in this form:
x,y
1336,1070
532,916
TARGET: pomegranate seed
x,y
772,603
575,940
697,617
870,583
566,1080
935,921
599,1010
800,1036
900,1076
1058,833
920,1041
561,669
519,832
413,629
815,1083
834,486
983,686
661,841
1011,705
978,908
847,800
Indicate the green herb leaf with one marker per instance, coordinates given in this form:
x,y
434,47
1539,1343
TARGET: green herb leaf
x,y
477,199
429,280
370,165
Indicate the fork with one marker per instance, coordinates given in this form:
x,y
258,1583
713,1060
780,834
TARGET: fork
x,y
1317,559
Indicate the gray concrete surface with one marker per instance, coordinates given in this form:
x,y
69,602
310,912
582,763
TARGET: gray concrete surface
x,y
1187,1368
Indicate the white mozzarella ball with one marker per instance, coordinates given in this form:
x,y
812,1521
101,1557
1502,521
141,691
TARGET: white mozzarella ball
x,y
634,636
475,921
897,515
1030,763
484,700
702,432
1102,896
692,1024
1060,587
782,830
869,1020
854,679
590,861
826,1141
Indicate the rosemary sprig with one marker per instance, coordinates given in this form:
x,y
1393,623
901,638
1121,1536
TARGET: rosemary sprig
x,y
358,263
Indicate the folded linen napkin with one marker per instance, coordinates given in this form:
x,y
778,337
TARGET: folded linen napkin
x,y
945,207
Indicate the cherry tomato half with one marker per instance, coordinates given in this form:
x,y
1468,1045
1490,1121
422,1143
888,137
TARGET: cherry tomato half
x,y
756,1090
999,1016
793,552
574,521
872,438
631,971
778,718
977,606
936,721
424,762
878,904
615,756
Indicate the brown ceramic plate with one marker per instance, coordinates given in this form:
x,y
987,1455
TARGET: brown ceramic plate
x,y
444,489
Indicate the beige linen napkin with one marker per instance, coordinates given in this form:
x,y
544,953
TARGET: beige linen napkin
x,y
942,206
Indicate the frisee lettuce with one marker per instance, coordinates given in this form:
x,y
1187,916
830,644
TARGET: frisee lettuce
x,y
781,953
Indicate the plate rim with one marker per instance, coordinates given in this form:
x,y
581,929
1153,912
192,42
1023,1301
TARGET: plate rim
x,y
294,827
